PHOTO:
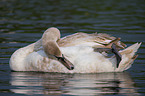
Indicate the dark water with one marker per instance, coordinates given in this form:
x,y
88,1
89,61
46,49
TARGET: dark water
x,y
23,22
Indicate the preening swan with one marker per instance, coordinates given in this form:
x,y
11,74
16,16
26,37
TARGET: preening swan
x,y
76,53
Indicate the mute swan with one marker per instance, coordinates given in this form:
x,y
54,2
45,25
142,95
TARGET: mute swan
x,y
77,53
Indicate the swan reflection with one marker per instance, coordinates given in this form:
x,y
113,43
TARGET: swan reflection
x,y
72,84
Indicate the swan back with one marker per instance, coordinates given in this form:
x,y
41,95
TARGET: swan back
x,y
93,40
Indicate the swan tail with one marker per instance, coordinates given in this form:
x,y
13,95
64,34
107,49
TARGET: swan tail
x,y
128,57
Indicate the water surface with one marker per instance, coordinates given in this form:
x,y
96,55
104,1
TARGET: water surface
x,y
23,22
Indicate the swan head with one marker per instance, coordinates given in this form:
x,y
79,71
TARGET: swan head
x,y
51,48
51,34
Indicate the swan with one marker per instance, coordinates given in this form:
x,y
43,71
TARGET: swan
x,y
76,53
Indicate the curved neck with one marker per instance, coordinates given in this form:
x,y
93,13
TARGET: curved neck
x,y
51,48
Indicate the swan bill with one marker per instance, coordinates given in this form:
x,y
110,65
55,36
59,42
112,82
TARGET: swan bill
x,y
65,62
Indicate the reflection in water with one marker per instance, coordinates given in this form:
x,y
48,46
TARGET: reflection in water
x,y
72,84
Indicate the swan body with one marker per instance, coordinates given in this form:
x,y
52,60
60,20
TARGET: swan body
x,y
80,50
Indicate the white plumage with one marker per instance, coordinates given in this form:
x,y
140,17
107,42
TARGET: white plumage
x,y
79,49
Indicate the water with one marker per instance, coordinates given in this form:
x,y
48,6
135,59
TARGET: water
x,y
23,22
